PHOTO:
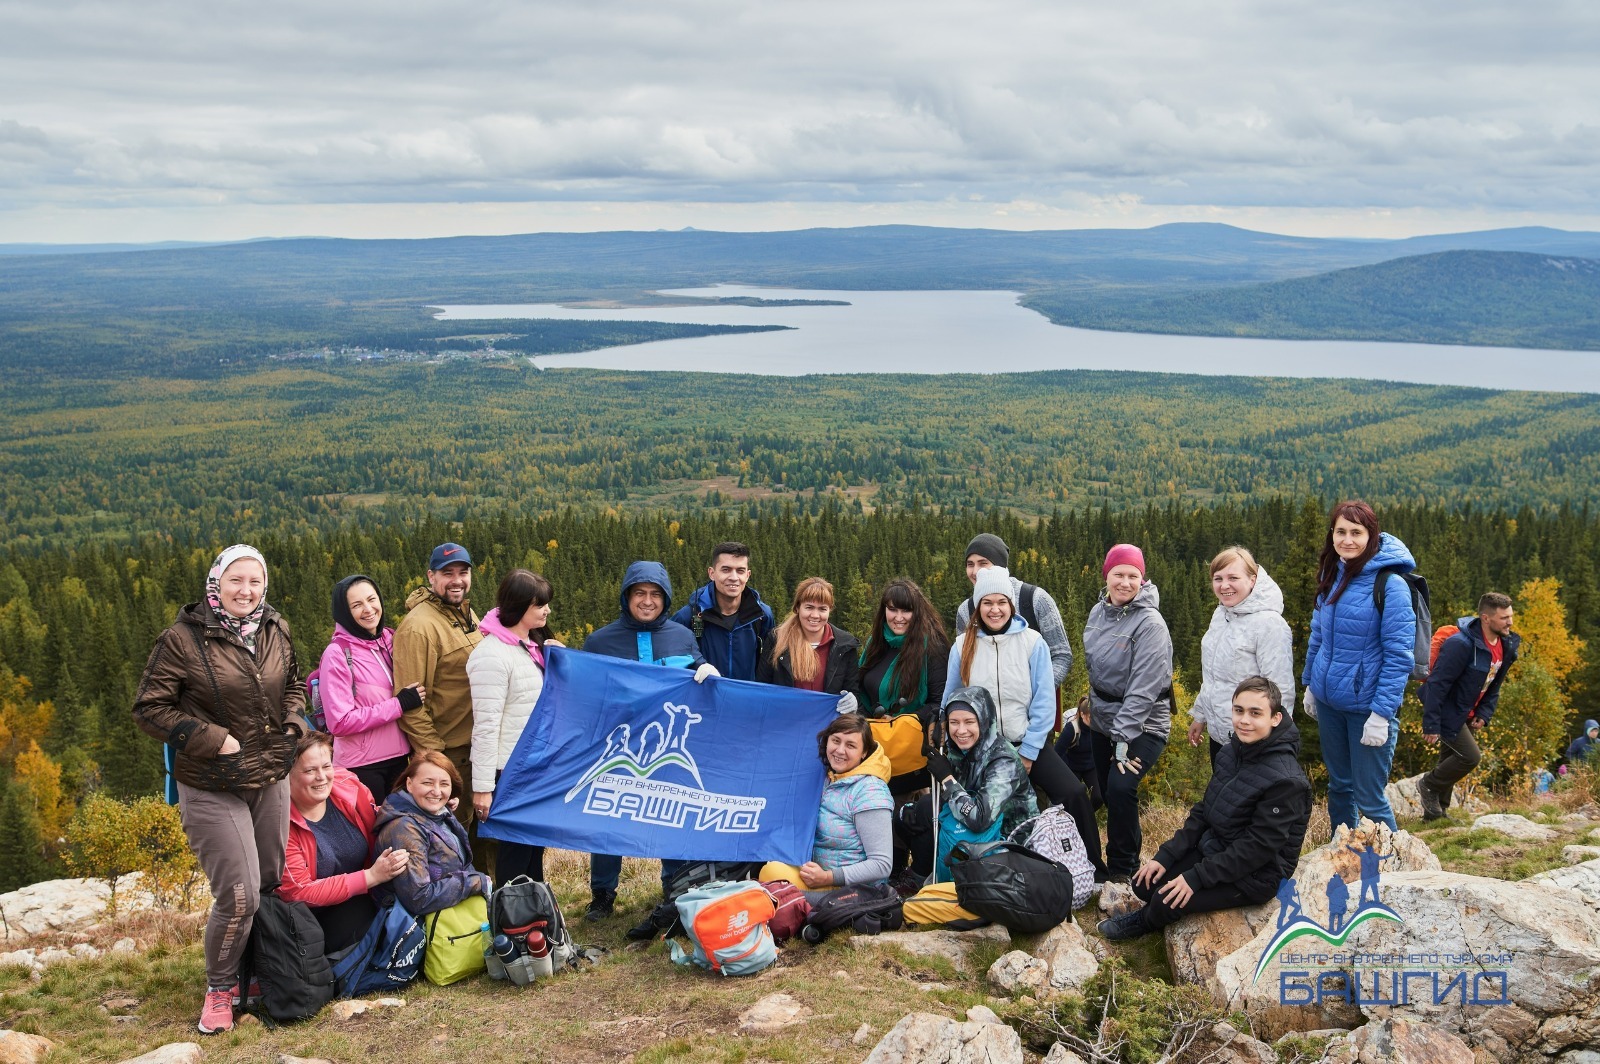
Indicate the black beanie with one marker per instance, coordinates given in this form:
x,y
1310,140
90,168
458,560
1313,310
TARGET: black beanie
x,y
988,545
341,607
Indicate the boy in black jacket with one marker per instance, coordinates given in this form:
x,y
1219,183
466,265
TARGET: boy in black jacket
x,y
1244,835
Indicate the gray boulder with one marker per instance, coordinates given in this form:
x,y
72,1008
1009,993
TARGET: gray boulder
x,y
923,1038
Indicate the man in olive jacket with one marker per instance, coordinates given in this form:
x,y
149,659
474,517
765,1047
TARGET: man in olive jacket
x,y
431,647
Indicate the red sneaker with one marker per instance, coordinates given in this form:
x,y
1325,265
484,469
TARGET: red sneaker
x,y
251,998
216,1015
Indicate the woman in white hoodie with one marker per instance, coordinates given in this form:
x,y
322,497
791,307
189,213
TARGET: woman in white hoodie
x,y
1248,637
506,671
1001,654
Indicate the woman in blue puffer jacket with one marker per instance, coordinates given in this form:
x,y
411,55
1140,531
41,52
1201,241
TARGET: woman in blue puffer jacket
x,y
1358,662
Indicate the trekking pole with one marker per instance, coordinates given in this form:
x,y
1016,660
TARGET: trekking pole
x,y
934,789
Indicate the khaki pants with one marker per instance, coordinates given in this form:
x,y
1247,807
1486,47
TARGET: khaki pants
x,y
239,838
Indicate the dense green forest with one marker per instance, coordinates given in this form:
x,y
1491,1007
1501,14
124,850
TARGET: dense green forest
x,y
294,449
1501,298
77,624
201,311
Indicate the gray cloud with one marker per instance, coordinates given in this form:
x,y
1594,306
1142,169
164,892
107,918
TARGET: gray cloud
x,y
1234,103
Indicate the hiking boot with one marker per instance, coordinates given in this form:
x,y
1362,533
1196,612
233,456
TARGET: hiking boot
x,y
602,905
1431,809
654,923
216,1015
1124,927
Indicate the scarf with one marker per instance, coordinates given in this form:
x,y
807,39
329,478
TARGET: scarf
x,y
243,628
341,608
889,686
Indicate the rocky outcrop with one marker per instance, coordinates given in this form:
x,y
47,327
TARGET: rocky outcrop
x,y
1196,944
1546,942
923,1038
951,945
1407,803
1398,1041
171,1053
1583,878
67,904
19,1048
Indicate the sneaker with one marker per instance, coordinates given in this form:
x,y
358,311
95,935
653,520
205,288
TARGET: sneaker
x,y
1126,926
252,996
216,1015
602,905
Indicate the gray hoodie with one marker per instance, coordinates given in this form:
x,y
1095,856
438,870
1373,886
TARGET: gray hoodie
x,y
1129,653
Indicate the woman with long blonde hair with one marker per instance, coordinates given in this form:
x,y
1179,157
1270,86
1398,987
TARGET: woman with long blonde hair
x,y
809,652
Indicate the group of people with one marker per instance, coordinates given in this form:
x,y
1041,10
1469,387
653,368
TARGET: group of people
x,y
421,719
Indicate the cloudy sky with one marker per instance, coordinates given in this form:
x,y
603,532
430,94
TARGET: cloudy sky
x,y
177,119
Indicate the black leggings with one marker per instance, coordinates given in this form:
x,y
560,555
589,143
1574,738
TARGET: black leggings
x,y
379,776
1121,790
1063,787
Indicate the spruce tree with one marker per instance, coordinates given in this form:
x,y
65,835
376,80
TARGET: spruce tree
x,y
21,844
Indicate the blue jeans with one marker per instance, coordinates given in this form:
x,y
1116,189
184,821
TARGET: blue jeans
x,y
606,869
1357,774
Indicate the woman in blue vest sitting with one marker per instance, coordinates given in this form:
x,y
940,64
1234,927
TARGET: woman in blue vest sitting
x,y
855,827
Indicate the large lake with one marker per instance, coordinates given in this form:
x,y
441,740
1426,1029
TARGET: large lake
x,y
988,332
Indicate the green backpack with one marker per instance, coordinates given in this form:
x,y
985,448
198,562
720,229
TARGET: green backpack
x,y
457,938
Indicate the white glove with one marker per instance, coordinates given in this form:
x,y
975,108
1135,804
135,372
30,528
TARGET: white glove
x,y
705,670
847,704
1309,704
1376,733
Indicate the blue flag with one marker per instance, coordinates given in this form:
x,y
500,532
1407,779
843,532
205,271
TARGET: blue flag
x,y
639,760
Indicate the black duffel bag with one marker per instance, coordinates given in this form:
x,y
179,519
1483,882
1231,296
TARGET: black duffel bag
x,y
1007,883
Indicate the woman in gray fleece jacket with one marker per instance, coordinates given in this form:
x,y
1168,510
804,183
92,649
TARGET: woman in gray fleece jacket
x,y
1129,653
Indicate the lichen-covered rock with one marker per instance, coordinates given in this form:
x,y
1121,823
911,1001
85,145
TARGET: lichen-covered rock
x,y
1118,898
1516,827
68,904
1019,971
923,1038
1060,1053
772,1014
951,945
1071,962
1196,943
1579,854
1583,878
171,1053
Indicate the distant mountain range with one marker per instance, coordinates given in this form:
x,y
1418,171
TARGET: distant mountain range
x,y
175,308
1497,298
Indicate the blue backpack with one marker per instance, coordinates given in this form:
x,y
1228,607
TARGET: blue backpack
x,y
727,923
388,956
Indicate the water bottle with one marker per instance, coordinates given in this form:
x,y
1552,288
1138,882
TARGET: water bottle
x,y
496,956
539,959
505,949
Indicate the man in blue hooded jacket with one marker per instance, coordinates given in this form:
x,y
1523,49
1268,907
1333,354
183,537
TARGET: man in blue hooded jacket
x,y
641,633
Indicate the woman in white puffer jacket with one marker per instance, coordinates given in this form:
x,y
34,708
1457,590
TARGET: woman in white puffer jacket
x,y
1248,637
506,670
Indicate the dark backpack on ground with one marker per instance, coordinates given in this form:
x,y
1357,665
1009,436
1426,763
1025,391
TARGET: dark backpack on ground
x,y
1009,884
692,875
1422,641
867,910
523,905
388,956
792,909
285,955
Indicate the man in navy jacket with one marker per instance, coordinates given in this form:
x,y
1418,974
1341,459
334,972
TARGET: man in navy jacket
x,y
726,614
1459,698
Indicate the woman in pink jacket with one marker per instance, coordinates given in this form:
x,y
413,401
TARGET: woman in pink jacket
x,y
325,865
356,685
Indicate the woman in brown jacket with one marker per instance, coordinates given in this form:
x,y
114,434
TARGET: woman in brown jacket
x,y
223,690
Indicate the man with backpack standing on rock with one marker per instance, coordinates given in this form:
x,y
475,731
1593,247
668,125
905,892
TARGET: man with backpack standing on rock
x,y
726,615
1459,696
431,647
